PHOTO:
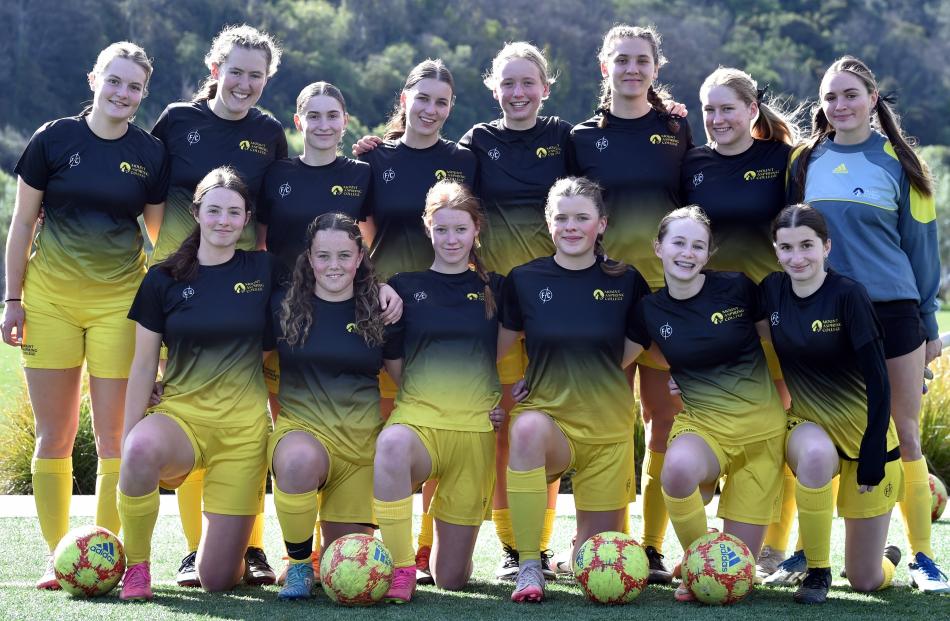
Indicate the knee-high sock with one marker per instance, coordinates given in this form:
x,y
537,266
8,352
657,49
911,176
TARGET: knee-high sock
x,y
776,537
502,520
52,491
547,529
297,514
527,502
425,533
138,514
256,540
395,525
107,478
888,568
688,516
815,512
189,507
317,538
916,506
655,516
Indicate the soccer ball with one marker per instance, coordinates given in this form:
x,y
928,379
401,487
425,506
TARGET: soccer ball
x,y
89,561
612,568
938,497
718,569
356,570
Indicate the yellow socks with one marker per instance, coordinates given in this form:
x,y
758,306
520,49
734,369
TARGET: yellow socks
x,y
527,501
887,567
688,516
296,514
815,511
138,514
52,491
776,537
107,478
395,526
502,520
425,534
547,529
655,516
256,540
916,506
189,506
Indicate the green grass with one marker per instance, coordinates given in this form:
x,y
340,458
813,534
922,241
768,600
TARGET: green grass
x,y
484,599
943,321
12,382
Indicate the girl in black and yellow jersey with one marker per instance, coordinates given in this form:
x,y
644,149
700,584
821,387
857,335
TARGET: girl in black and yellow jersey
x,y
829,340
208,303
66,303
861,172
440,428
738,179
330,341
520,156
575,310
634,149
733,423
219,127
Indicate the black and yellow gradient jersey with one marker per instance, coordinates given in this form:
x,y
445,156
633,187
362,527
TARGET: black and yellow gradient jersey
x,y
575,324
329,382
401,178
216,328
741,194
715,356
449,347
89,250
637,162
829,344
516,168
198,141
294,193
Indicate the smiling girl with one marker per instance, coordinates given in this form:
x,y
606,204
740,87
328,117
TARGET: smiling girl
x,y
66,302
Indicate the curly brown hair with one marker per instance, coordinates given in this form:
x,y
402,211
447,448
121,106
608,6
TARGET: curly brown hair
x,y
296,310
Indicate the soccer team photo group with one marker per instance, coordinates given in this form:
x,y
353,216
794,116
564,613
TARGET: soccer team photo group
x,y
474,322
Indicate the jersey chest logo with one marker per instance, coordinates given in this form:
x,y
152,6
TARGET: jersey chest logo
x,y
774,318
389,174
187,292
284,190
697,179
255,286
193,137
601,143
419,296
551,151
826,325
74,160
666,330
545,295
494,154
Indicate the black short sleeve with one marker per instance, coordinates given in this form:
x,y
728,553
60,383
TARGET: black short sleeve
x,y
863,325
637,329
511,317
147,308
33,166
159,188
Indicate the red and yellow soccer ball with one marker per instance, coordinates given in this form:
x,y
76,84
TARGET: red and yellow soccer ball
x,y
612,568
356,570
89,561
718,569
938,497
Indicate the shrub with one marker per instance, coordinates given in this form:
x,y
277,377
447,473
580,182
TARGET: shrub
x,y
935,419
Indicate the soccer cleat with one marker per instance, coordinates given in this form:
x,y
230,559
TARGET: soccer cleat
x,y
659,574
926,576
767,563
257,571
298,583
546,569
423,573
314,561
187,572
790,572
814,587
683,594
48,581
529,586
508,567
403,585
137,583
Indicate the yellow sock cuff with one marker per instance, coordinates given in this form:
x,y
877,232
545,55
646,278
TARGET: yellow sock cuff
x,y
688,516
63,465
139,505
295,503
109,465
916,506
653,463
684,507
296,514
392,510
813,498
916,470
425,533
395,525
815,512
502,520
528,481
887,567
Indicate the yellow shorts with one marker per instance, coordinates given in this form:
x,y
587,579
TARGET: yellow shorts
x,y
853,505
463,462
604,474
347,494
234,461
61,337
771,359
272,373
387,387
511,368
752,491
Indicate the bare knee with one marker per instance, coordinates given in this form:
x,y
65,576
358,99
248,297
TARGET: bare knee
x,y
678,476
216,578
297,468
392,447
141,457
816,465
528,433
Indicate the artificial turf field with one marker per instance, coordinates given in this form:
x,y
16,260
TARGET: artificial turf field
x,y
485,598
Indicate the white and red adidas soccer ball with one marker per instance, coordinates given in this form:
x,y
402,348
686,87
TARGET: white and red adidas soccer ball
x,y
719,569
89,561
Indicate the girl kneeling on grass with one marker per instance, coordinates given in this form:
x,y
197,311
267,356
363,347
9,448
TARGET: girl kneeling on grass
x,y
208,303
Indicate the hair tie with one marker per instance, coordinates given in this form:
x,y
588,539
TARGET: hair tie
x,y
889,97
762,92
